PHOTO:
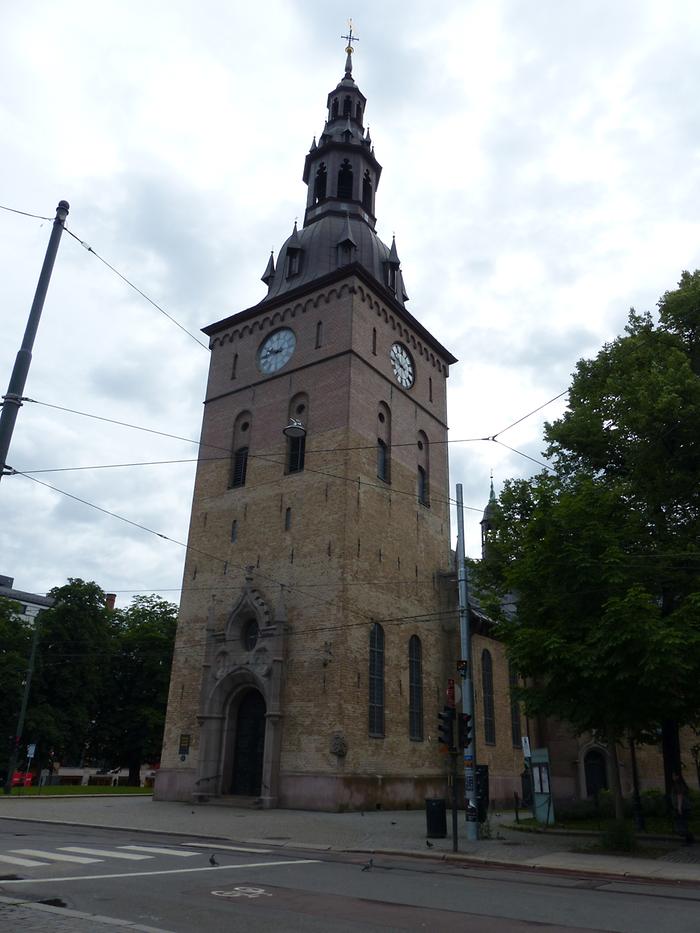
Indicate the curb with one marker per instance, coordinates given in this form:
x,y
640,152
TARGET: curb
x,y
457,858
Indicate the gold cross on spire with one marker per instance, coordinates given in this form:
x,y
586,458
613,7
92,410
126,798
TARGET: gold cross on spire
x,y
350,38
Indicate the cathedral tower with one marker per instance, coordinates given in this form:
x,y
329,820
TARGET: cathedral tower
x,y
311,655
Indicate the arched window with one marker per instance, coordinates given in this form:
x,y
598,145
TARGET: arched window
x,y
240,466
367,192
320,183
376,681
319,334
487,688
415,689
234,366
296,446
334,108
234,531
384,442
345,180
423,469
382,460
374,341
514,707
347,107
358,112
287,519
239,447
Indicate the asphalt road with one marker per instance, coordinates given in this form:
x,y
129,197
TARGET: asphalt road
x,y
166,883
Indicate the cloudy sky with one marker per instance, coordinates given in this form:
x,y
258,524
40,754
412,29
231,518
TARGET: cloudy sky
x,y
540,173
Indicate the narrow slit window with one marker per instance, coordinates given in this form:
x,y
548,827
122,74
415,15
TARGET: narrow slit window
x,y
489,707
240,467
376,681
415,689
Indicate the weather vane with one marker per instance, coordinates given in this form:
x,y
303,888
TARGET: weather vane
x,y
350,38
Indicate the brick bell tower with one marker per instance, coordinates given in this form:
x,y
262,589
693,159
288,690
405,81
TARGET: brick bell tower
x,y
312,646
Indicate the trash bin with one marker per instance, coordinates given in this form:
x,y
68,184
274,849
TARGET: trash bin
x,y
436,817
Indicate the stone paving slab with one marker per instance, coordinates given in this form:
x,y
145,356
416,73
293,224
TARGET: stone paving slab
x,y
29,917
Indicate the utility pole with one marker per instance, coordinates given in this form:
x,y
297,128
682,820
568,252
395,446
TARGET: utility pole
x,y
465,670
12,400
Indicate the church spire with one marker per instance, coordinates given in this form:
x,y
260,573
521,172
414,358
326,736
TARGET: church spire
x,y
342,176
487,522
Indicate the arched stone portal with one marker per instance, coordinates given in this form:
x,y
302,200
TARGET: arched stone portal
x,y
248,746
240,715
596,772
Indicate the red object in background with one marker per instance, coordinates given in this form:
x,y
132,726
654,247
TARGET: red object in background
x,y
22,779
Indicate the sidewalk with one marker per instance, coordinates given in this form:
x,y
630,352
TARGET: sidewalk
x,y
376,832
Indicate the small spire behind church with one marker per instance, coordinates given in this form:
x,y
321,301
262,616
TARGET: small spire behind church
x,y
349,49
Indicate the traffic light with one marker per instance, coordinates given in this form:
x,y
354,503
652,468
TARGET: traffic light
x,y
446,727
465,730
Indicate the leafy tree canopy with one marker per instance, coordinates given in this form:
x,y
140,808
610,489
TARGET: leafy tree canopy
x,y
604,553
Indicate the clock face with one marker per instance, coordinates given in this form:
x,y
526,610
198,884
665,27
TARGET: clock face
x,y
402,364
276,350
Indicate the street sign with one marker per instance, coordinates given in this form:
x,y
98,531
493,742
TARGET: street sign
x,y
31,750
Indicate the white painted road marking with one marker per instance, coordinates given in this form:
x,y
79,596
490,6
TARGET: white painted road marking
x,y
54,857
158,851
24,862
243,892
211,845
105,853
171,871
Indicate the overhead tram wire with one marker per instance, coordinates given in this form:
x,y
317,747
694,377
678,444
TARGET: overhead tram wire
x,y
317,630
190,440
137,289
187,547
13,210
527,456
265,457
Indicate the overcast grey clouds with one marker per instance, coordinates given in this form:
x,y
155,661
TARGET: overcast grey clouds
x,y
540,172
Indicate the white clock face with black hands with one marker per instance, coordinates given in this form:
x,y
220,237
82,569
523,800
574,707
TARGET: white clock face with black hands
x,y
402,364
276,350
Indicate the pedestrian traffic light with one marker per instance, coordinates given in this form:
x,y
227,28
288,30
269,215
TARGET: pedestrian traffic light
x,y
465,730
446,727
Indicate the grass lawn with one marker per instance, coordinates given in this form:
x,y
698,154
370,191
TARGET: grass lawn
x,y
655,825
70,790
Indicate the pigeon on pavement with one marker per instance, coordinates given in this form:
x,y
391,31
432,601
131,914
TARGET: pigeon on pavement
x,y
368,866
212,860
428,843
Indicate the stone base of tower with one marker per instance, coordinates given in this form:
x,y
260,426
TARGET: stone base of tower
x,y
175,784
322,792
358,792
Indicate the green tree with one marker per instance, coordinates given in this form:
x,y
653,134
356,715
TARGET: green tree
x,y
129,727
604,555
70,680
15,645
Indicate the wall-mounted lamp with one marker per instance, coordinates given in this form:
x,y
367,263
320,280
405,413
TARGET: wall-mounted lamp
x,y
294,429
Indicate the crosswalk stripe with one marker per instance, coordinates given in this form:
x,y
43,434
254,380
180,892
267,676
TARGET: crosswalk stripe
x,y
24,862
54,857
213,845
160,851
105,853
